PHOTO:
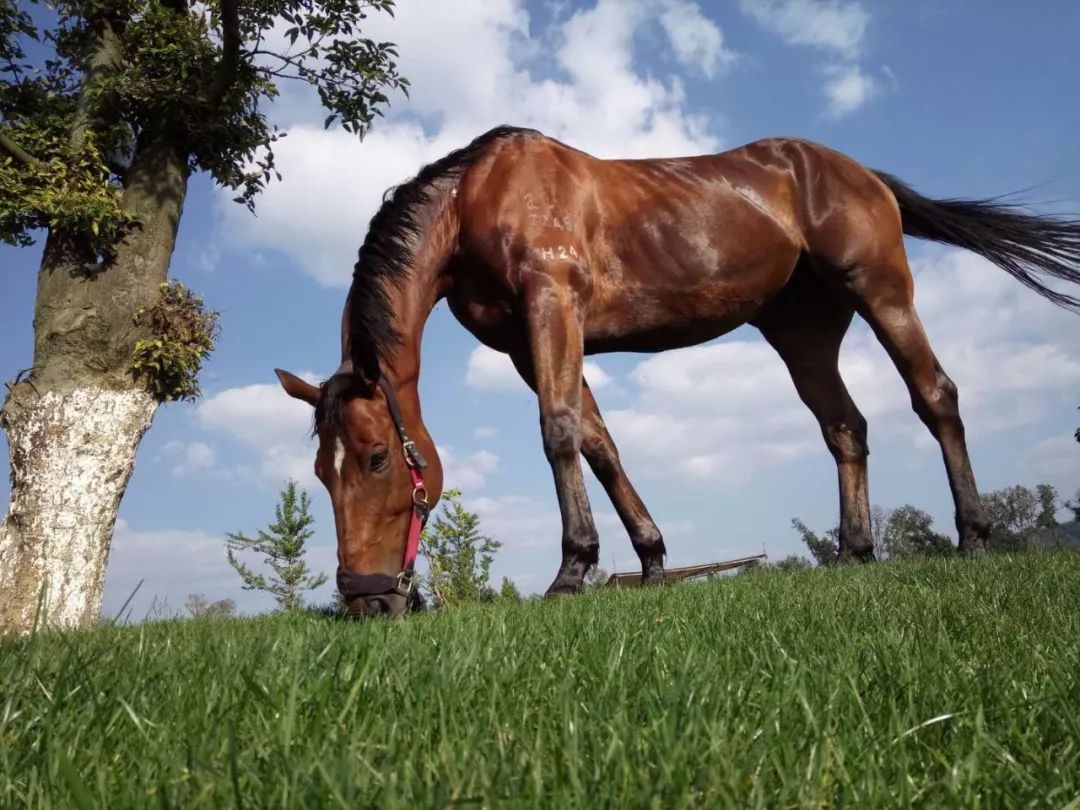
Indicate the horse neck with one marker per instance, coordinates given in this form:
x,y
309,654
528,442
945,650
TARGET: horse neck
x,y
412,301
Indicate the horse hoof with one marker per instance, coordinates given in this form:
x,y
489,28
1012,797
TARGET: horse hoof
x,y
560,588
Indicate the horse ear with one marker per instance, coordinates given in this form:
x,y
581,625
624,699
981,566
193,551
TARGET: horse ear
x,y
297,388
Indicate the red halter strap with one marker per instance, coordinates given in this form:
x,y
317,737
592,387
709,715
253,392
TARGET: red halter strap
x,y
352,584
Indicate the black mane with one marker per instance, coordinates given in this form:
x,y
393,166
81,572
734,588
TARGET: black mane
x,y
387,253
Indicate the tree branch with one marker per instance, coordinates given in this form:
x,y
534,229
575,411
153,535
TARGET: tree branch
x,y
19,153
103,58
230,51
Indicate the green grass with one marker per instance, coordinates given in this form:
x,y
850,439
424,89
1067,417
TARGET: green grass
x,y
938,683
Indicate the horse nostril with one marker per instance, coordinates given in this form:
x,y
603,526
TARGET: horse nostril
x,y
390,606
377,606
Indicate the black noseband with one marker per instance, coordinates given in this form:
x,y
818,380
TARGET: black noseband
x,y
352,585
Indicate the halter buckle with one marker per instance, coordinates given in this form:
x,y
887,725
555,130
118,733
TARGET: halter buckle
x,y
405,582
413,456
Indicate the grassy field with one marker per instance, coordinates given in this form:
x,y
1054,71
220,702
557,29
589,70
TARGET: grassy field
x,y
938,683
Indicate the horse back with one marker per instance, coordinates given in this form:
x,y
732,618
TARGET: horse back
x,y
650,243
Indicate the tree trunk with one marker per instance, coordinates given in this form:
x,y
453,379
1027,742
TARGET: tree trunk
x,y
75,423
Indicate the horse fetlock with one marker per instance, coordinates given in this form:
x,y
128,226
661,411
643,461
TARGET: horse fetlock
x,y
648,542
856,546
582,550
972,546
973,536
652,570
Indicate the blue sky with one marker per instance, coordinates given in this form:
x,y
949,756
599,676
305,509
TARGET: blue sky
x,y
958,98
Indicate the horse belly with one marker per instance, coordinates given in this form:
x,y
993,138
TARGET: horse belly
x,y
647,322
683,304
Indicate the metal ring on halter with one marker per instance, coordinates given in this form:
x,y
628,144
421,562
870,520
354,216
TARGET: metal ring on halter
x,y
405,577
419,496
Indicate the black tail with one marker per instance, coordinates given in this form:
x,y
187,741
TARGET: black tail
x,y
1024,245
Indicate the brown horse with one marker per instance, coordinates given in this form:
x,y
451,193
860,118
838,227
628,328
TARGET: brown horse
x,y
547,253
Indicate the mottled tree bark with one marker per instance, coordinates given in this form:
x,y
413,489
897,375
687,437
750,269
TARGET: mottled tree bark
x,y
75,423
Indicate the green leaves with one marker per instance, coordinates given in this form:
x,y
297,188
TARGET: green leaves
x,y
321,47
15,26
459,557
181,336
824,549
1020,518
112,74
64,188
909,532
282,547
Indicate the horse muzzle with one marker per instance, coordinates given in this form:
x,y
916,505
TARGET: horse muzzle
x,y
383,595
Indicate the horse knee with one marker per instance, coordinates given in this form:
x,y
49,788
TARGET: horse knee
x,y
561,430
938,403
847,439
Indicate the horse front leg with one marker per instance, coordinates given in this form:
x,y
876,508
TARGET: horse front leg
x,y
600,452
556,348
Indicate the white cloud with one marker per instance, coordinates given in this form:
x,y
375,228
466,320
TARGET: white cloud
x,y
595,376
486,432
209,258
521,521
189,458
489,370
467,474
847,89
485,461
498,73
1055,460
721,410
322,216
833,25
837,27
171,564
696,40
255,414
275,428
268,422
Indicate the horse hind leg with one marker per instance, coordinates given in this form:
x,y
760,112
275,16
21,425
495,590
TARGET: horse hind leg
x,y
600,452
806,325
886,301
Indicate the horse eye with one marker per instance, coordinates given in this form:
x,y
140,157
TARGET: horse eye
x,y
379,460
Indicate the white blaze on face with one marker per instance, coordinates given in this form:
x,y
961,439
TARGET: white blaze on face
x,y
339,455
